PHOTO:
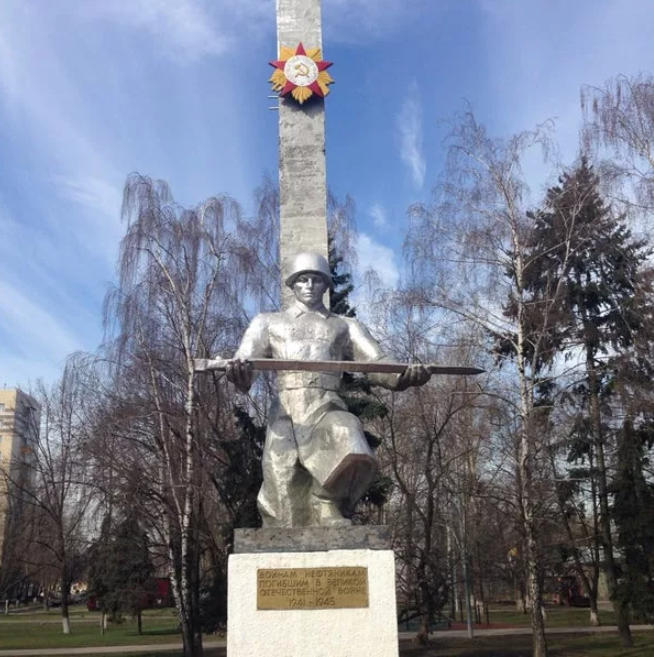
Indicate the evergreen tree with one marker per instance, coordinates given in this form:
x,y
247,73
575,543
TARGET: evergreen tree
x,y
339,302
598,306
240,478
585,255
633,511
121,576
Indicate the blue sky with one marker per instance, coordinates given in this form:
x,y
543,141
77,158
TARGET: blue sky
x,y
91,90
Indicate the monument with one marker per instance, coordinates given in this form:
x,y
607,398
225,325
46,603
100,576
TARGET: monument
x,y
316,461
308,573
309,584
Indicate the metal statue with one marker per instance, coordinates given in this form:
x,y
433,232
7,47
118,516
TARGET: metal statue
x,y
316,461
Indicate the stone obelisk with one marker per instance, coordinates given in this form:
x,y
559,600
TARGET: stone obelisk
x,y
308,591
302,172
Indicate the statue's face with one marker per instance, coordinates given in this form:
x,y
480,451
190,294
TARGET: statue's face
x,y
309,289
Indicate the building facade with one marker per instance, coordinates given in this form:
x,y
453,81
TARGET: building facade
x,y
19,433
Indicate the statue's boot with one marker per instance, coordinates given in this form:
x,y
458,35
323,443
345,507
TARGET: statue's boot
x,y
327,510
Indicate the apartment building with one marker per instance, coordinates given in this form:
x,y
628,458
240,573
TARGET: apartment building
x,y
19,431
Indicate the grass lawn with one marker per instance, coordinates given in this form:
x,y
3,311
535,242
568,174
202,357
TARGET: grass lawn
x,y
43,630
505,646
506,616
556,617
566,645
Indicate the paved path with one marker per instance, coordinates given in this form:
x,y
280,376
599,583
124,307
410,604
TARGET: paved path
x,y
106,650
47,621
221,643
603,629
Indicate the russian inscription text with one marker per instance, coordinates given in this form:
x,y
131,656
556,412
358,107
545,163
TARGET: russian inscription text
x,y
312,588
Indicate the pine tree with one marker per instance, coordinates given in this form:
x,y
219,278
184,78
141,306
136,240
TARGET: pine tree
x,y
633,512
121,576
342,287
240,479
586,256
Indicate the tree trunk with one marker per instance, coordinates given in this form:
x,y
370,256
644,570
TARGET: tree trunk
x,y
593,580
451,567
192,640
520,602
480,582
139,621
530,529
526,468
422,637
182,584
468,590
620,607
535,591
590,582
65,618
189,554
594,613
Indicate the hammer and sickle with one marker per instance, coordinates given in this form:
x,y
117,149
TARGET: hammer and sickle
x,y
302,69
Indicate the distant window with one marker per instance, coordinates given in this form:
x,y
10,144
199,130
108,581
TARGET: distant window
x,y
2,408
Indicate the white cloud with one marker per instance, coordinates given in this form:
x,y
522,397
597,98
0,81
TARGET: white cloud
x,y
372,256
189,30
185,29
378,214
32,326
409,125
92,192
50,105
98,220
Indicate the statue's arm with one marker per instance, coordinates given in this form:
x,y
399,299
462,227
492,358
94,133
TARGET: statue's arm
x,y
255,344
365,347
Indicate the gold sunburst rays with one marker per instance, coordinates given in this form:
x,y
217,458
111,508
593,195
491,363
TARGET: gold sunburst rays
x,y
301,73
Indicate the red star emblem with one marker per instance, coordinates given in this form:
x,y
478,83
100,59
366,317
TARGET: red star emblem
x,y
300,72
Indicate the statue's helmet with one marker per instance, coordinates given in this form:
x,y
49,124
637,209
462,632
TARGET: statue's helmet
x,y
304,263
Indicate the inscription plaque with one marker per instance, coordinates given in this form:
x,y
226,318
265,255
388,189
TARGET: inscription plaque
x,y
312,588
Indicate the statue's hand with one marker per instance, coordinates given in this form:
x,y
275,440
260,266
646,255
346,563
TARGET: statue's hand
x,y
240,373
415,374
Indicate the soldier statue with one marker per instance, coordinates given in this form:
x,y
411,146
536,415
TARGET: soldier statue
x,y
316,463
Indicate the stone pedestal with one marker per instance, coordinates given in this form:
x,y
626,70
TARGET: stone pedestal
x,y
297,567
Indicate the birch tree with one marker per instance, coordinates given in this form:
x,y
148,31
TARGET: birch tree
x,y
619,123
605,303
182,292
467,250
57,489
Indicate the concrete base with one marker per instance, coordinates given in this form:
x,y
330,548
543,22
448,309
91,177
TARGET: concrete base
x,y
359,632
